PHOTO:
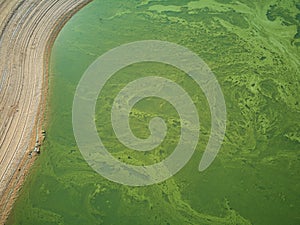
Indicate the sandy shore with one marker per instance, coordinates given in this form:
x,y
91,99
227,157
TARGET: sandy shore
x,y
27,31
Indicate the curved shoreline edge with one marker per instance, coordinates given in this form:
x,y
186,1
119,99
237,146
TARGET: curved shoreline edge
x,y
28,30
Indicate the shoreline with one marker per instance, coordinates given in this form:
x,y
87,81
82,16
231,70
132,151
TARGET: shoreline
x,y
22,168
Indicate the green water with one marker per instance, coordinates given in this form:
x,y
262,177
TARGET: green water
x,y
253,49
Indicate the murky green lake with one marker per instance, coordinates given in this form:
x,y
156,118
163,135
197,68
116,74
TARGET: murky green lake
x,y
253,48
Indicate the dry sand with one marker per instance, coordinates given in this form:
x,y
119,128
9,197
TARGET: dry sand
x,y
27,31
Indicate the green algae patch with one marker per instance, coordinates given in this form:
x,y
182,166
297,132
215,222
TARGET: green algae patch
x,y
162,8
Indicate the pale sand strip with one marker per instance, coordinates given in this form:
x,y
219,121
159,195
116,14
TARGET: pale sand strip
x,y
28,29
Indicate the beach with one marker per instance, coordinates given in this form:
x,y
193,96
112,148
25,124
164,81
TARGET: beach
x,y
28,30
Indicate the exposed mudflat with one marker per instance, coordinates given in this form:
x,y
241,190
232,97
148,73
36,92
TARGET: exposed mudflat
x,y
27,31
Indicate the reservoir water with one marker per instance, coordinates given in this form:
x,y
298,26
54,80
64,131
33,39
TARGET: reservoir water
x,y
252,47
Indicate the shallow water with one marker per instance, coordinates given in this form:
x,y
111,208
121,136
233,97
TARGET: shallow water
x,y
255,177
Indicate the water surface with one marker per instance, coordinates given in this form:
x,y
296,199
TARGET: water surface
x,y
253,49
